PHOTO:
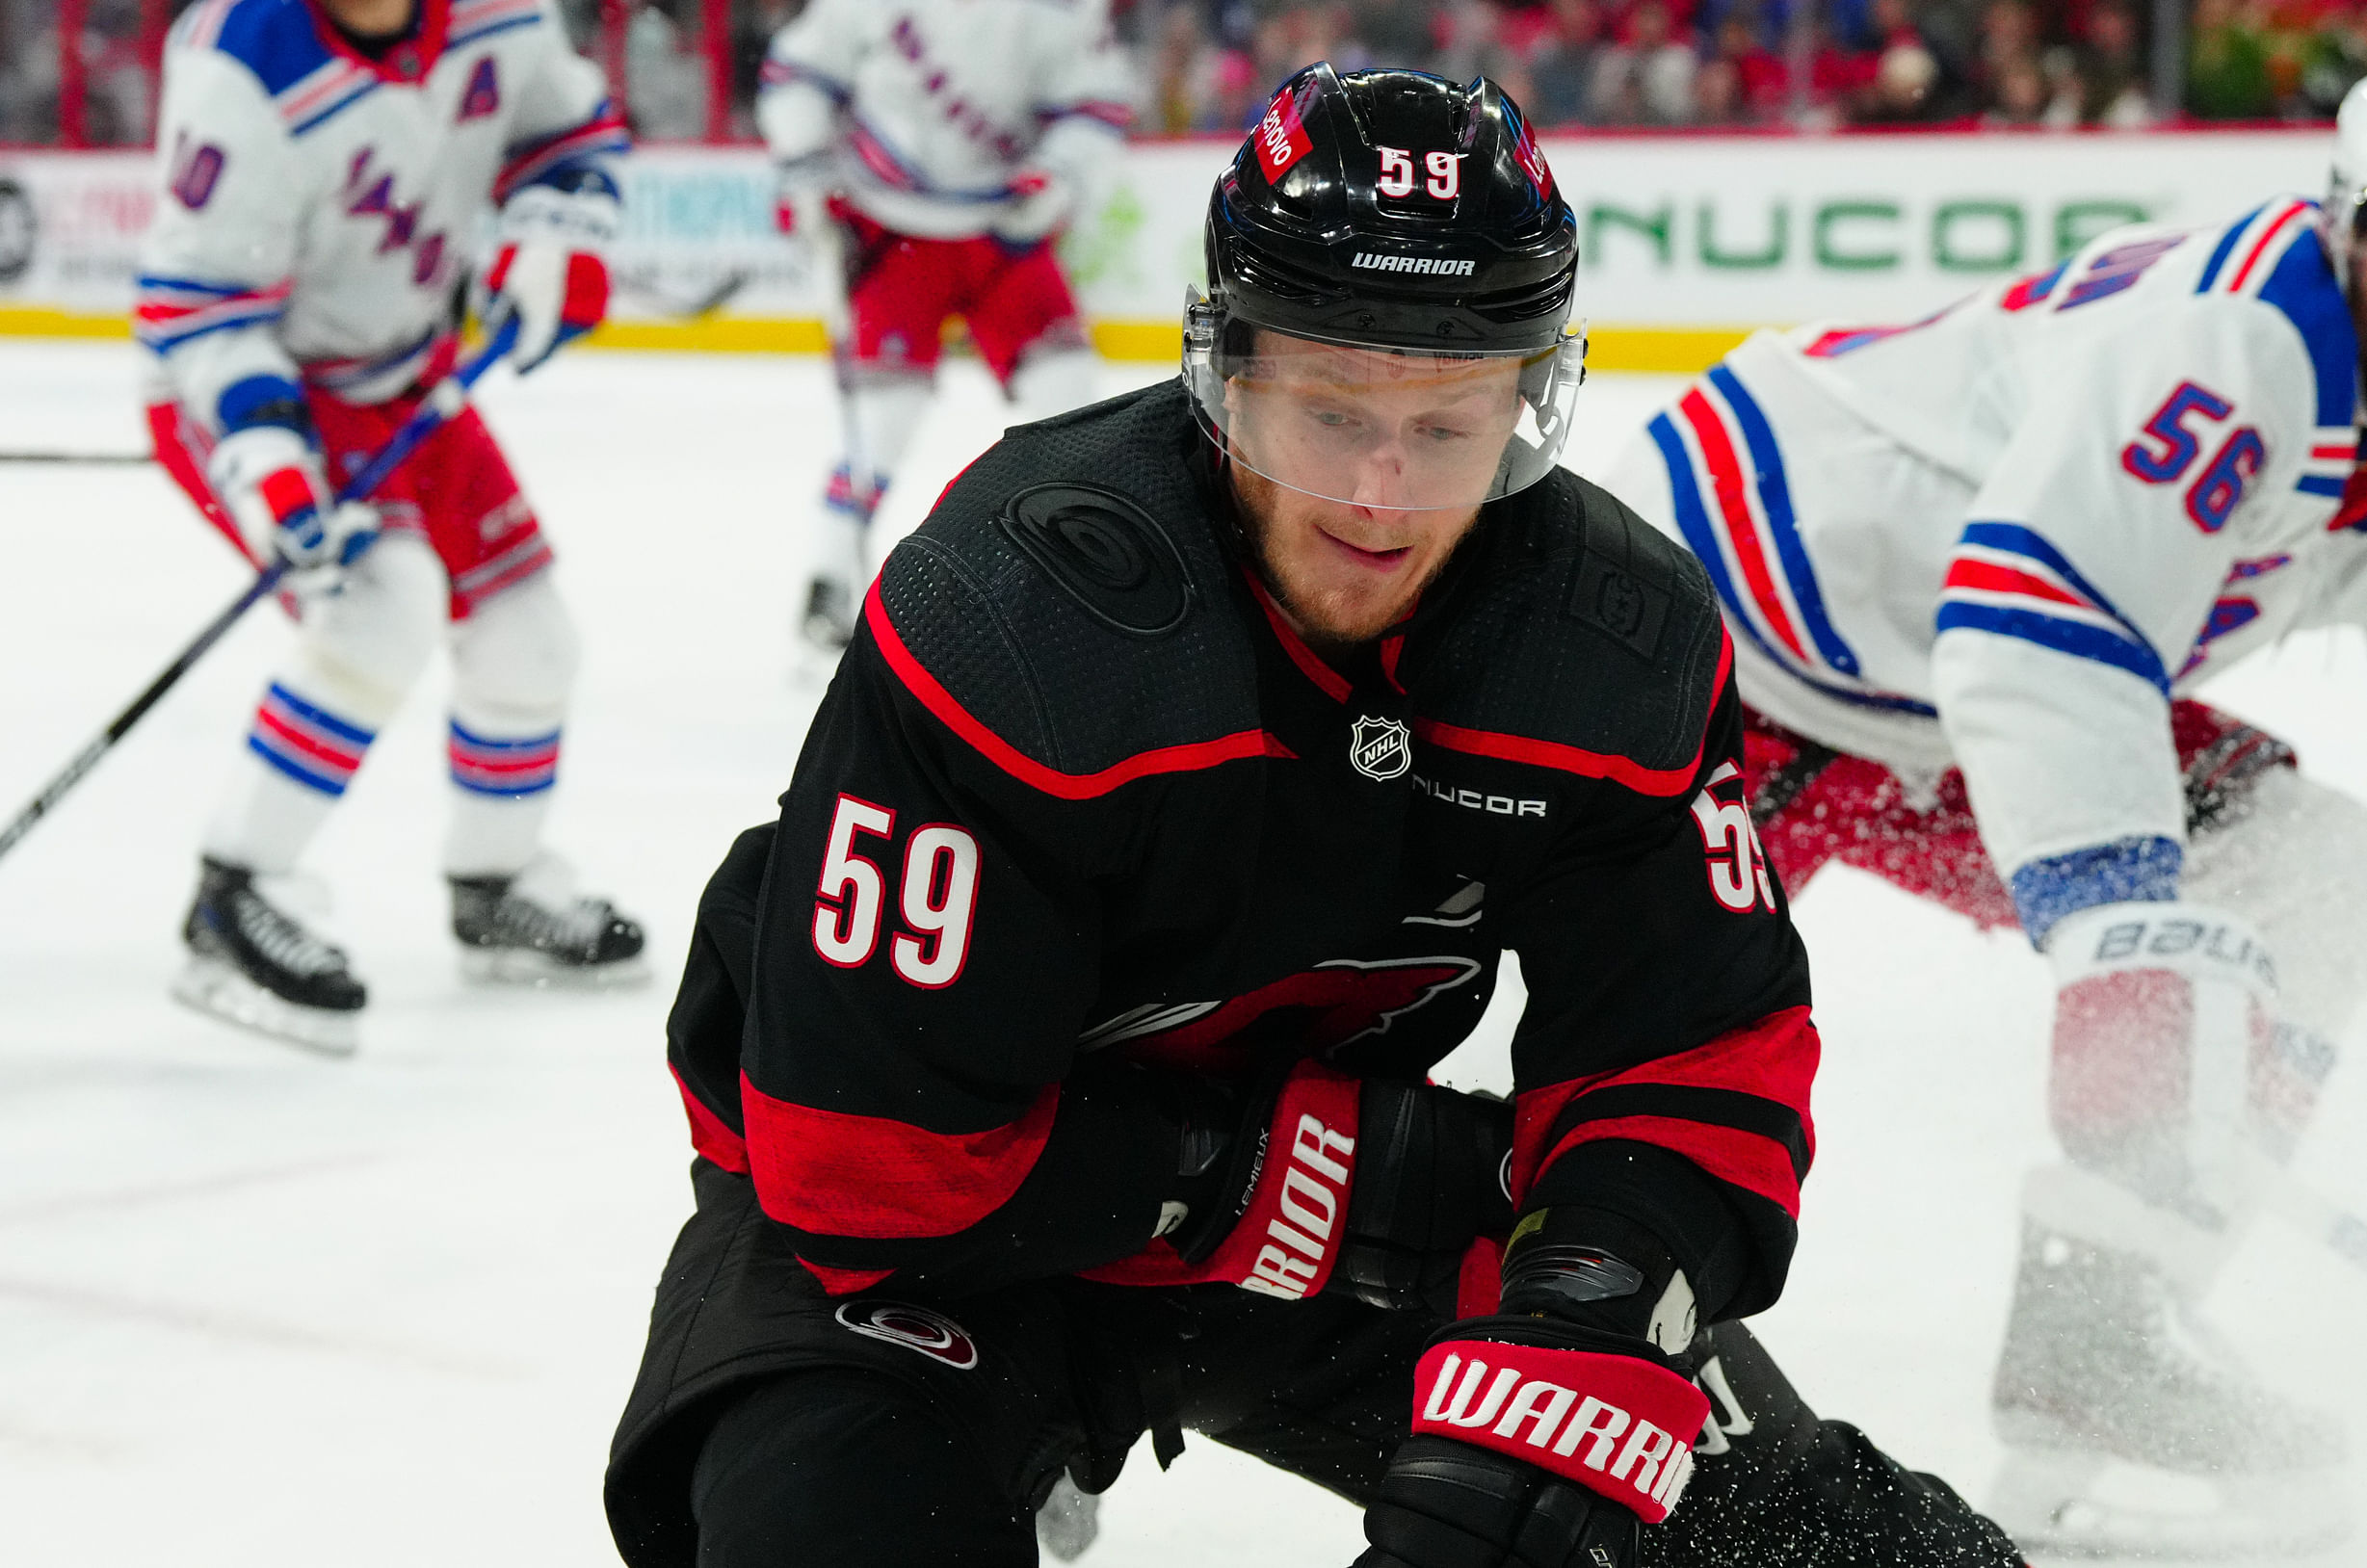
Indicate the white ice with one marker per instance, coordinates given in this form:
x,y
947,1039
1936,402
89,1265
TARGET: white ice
x,y
262,1309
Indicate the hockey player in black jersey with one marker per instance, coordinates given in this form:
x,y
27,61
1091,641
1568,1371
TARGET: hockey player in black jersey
x,y
1055,1065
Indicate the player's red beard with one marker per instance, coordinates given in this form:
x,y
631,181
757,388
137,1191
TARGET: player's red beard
x,y
1344,574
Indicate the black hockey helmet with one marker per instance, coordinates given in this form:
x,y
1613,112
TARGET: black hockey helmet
x,y
1398,212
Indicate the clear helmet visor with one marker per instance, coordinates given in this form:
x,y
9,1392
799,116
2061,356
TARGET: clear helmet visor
x,y
1388,428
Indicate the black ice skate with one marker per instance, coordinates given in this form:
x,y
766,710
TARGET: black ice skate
x,y
828,624
2106,1366
256,965
535,929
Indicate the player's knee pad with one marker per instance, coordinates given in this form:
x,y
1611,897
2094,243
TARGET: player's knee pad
x,y
513,659
1052,380
365,644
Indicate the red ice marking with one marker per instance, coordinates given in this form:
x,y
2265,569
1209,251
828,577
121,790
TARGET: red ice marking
x,y
1165,759
1726,481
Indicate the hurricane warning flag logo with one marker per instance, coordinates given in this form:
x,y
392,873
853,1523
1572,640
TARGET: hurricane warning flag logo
x,y
1381,749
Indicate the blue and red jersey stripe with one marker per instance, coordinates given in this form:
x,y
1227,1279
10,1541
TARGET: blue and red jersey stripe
x,y
1733,501
600,136
2006,580
170,311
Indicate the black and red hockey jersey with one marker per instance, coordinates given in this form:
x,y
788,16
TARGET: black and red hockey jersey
x,y
1080,810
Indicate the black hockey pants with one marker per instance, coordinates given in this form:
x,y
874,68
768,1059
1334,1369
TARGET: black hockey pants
x,y
939,1462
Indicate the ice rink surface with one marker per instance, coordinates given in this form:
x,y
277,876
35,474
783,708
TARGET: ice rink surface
x,y
262,1309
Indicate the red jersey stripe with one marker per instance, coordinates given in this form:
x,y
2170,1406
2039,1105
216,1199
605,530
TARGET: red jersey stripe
x,y
844,1281
830,1173
1726,482
1745,1160
1988,577
1773,1058
1331,682
1168,759
2292,211
709,1136
1570,759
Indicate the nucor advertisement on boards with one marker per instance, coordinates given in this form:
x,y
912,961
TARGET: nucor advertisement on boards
x,y
1678,231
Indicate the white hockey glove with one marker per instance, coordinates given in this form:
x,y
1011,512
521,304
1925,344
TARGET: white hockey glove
x,y
550,270
271,482
2166,1075
1042,202
801,195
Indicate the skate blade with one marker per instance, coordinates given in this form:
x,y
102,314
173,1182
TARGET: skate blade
x,y
2081,1505
211,986
518,966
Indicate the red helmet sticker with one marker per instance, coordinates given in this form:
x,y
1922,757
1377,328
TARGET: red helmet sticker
x,y
932,1334
1281,140
1532,159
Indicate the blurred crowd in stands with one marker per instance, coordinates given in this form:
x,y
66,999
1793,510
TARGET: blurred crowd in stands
x,y
1207,65
1807,63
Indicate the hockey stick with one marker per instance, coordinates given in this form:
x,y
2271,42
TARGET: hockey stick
x,y
678,308
94,458
448,398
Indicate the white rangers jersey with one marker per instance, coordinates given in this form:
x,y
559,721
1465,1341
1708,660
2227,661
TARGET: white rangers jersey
x,y
932,107
319,205
2004,537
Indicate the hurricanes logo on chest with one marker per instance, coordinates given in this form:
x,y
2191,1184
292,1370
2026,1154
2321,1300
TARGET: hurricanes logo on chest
x,y
1381,749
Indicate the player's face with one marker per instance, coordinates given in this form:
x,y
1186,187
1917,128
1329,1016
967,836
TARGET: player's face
x,y
1380,460
373,18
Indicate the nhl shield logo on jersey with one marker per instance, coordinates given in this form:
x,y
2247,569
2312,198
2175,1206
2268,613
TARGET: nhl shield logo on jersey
x,y
932,1334
1381,749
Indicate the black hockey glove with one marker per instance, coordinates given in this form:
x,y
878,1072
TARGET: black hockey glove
x,y
1545,1436
1376,1187
1432,1166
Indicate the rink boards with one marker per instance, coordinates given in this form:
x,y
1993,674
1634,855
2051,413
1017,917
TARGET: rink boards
x,y
1689,241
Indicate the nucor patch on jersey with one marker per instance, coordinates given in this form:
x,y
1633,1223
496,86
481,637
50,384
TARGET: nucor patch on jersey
x,y
1495,806
1374,261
